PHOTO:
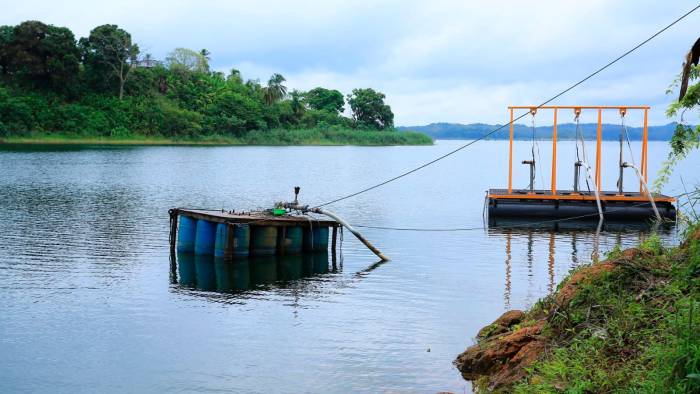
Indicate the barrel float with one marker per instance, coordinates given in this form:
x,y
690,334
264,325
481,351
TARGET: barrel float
x,y
263,270
240,274
316,239
186,233
289,267
291,239
264,240
221,248
206,272
223,274
241,240
205,239
320,263
185,268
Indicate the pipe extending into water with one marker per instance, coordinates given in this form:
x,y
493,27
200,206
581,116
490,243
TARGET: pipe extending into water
x,y
334,216
595,190
646,188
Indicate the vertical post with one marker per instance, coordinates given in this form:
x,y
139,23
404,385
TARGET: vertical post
x,y
554,154
173,229
282,240
333,242
645,137
599,138
510,155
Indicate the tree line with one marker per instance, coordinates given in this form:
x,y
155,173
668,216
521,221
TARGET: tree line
x,y
103,85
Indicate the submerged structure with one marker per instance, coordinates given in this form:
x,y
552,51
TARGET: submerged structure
x,y
593,202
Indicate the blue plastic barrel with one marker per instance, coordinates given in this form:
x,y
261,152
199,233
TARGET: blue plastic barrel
x,y
240,274
316,239
264,240
223,274
185,269
291,239
206,272
186,234
241,240
289,267
263,270
221,247
320,262
205,239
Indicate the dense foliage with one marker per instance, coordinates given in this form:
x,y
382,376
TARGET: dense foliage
x,y
102,86
686,137
634,329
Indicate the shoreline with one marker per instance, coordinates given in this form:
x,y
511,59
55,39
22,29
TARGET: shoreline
x,y
204,141
622,323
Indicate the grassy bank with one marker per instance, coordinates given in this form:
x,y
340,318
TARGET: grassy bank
x,y
267,137
627,324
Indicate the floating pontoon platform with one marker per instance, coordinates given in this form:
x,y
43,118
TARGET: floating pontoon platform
x,y
559,204
230,234
569,204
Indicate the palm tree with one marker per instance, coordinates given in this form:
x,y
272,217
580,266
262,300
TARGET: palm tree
x,y
205,54
297,104
275,91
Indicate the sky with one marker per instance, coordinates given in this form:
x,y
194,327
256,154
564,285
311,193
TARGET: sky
x,y
436,61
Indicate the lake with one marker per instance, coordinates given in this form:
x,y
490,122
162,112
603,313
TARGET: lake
x,y
90,302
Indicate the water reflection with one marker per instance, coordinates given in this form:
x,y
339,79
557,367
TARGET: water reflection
x,y
579,241
209,273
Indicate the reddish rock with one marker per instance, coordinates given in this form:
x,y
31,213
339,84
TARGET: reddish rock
x,y
495,354
502,324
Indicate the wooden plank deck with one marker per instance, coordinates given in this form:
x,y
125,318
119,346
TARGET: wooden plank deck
x,y
258,218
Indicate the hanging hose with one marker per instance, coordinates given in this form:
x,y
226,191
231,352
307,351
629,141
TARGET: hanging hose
x,y
646,188
305,208
588,172
579,135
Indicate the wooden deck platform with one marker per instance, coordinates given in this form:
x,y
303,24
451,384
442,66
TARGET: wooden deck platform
x,y
258,218
230,234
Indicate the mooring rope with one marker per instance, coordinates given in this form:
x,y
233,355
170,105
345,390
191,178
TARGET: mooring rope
x,y
450,153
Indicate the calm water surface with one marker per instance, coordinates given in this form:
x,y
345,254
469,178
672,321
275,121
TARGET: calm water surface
x,y
89,302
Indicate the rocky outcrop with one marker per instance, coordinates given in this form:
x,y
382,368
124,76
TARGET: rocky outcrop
x,y
503,351
506,347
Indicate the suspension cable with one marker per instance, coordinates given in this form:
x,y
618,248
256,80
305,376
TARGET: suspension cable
x,y
450,153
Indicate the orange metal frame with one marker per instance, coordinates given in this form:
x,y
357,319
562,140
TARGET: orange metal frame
x,y
599,138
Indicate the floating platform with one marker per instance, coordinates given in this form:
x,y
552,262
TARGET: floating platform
x,y
569,204
227,234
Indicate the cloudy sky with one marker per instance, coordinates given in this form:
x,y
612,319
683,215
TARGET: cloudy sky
x,y
437,61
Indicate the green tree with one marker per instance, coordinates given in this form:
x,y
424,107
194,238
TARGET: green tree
x,y
41,54
296,104
6,35
685,138
369,110
183,59
323,99
235,76
109,51
205,54
275,91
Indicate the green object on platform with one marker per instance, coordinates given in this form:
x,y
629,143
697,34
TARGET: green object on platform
x,y
278,211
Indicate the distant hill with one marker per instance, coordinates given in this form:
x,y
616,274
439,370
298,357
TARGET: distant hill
x,y
565,131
